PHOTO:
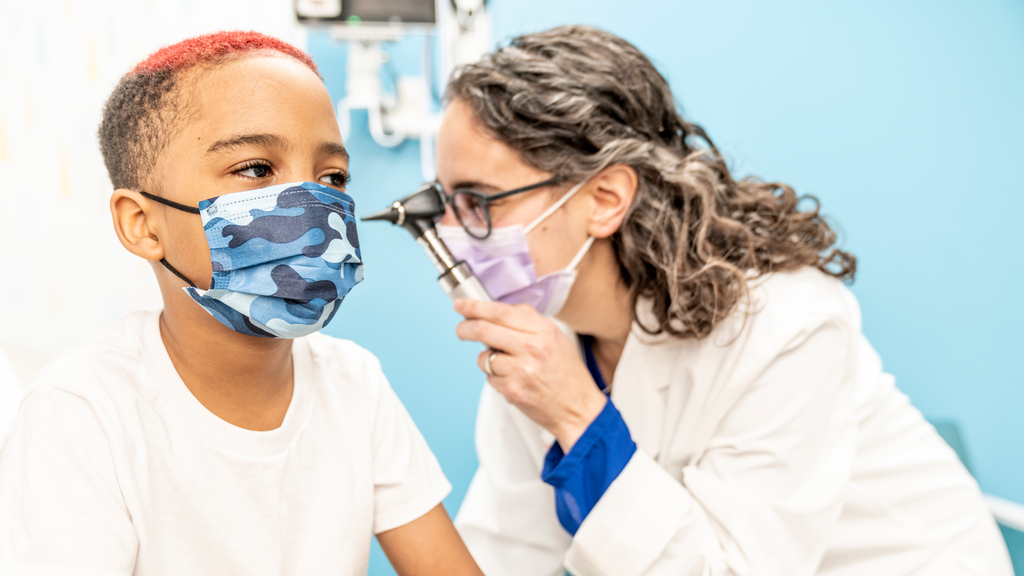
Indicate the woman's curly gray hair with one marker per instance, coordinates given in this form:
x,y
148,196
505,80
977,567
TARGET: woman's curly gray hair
x,y
574,100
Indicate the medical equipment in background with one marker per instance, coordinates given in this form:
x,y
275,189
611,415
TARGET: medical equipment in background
x,y
417,213
463,31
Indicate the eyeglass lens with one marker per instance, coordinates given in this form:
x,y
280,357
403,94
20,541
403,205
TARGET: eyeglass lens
x,y
471,213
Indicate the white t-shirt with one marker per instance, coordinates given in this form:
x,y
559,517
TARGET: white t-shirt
x,y
113,467
11,391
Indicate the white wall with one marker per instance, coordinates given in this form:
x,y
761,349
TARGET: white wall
x,y
63,275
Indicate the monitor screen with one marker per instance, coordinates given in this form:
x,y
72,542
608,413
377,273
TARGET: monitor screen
x,y
418,11
368,11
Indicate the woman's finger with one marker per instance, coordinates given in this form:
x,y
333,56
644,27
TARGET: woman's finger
x,y
493,335
502,368
520,317
496,358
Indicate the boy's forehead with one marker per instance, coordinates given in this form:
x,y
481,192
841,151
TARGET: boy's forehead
x,y
257,94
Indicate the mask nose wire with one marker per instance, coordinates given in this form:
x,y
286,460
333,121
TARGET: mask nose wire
x,y
177,206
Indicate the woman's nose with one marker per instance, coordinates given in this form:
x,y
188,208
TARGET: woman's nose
x,y
449,218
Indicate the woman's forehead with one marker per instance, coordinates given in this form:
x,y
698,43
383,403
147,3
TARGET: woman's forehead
x,y
469,156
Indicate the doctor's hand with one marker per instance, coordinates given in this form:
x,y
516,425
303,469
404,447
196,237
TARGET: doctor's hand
x,y
535,366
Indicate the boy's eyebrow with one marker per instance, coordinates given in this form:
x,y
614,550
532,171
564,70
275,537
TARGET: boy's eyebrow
x,y
272,140
333,149
265,140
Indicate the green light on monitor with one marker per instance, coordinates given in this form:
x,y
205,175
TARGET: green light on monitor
x,y
354,20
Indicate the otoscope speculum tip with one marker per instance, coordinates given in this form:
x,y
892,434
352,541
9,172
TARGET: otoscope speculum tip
x,y
390,215
415,212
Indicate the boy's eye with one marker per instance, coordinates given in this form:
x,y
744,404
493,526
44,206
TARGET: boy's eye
x,y
256,171
338,179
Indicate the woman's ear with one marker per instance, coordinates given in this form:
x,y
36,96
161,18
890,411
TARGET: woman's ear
x,y
134,226
612,193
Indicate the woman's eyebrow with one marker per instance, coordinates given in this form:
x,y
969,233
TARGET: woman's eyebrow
x,y
474,185
265,140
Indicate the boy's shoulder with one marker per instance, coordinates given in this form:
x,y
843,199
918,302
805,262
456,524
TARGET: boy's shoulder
x,y
108,363
329,348
97,382
340,362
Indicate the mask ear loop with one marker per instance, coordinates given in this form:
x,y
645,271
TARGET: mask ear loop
x,y
171,203
551,210
183,208
579,255
176,273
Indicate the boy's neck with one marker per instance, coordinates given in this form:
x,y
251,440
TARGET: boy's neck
x,y
243,380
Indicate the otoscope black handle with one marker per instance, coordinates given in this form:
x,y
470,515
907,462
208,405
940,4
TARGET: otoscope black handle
x,y
417,213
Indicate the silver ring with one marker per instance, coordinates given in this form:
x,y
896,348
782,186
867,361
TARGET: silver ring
x,y
487,363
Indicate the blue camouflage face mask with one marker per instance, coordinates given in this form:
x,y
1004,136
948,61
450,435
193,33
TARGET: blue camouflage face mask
x,y
283,257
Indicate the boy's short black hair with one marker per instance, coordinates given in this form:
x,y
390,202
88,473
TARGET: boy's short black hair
x,y
138,121
144,111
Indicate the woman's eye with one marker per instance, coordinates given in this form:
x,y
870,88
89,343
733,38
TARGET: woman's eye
x,y
338,179
257,171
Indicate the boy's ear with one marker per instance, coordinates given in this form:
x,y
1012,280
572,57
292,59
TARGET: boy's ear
x,y
134,226
612,193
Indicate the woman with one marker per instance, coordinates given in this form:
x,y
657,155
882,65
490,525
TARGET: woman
x,y
713,406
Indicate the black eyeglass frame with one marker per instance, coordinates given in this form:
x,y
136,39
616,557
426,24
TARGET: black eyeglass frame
x,y
484,201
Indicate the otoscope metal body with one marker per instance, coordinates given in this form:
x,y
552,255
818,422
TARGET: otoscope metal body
x,y
417,213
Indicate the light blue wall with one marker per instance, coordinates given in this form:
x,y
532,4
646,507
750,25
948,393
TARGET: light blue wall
x,y
906,120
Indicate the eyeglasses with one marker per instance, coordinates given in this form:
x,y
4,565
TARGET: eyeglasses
x,y
472,208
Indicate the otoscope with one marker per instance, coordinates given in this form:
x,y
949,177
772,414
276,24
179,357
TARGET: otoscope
x,y
417,213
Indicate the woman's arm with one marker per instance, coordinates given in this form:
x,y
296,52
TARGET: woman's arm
x,y
428,546
765,493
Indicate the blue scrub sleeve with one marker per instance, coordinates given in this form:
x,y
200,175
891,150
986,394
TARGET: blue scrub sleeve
x,y
581,477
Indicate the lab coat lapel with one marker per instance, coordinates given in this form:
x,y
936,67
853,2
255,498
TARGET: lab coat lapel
x,y
640,386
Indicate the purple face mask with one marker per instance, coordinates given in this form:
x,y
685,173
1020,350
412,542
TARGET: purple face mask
x,y
503,264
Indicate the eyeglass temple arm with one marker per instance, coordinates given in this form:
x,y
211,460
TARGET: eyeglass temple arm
x,y
500,195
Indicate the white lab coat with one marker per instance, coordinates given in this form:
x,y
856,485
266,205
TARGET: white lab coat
x,y
775,446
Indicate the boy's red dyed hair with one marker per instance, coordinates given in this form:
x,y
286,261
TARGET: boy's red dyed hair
x,y
212,47
142,113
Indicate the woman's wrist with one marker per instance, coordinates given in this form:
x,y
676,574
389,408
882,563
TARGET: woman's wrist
x,y
569,430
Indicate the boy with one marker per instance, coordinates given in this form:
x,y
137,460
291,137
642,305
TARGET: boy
x,y
206,439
